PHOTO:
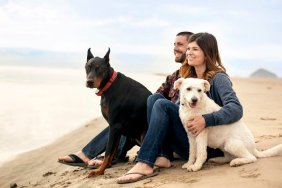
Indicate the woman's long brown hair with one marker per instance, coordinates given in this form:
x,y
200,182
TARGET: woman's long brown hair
x,y
207,42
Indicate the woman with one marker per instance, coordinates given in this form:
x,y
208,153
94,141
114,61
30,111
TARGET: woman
x,y
166,133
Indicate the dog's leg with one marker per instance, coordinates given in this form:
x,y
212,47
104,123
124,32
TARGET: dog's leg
x,y
192,151
201,141
239,150
112,145
222,160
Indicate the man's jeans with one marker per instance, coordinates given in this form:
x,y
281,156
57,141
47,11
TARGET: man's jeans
x,y
99,143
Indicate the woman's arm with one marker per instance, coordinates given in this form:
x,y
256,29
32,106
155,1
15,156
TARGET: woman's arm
x,y
224,95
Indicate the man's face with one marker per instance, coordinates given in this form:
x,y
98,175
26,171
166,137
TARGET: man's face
x,y
180,46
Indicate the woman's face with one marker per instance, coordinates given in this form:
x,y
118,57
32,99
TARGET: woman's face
x,y
195,55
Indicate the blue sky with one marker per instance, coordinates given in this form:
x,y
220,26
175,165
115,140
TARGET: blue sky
x,y
141,33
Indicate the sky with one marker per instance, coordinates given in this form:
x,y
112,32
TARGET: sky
x,y
140,33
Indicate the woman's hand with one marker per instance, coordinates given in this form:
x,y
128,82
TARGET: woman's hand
x,y
196,124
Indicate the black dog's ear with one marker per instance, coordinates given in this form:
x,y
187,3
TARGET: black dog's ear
x,y
106,57
89,55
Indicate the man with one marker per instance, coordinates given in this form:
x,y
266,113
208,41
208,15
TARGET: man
x,y
164,96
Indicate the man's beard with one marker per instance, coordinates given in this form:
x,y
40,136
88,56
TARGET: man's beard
x,y
181,59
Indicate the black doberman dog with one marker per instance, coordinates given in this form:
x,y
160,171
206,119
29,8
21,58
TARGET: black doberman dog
x,y
123,104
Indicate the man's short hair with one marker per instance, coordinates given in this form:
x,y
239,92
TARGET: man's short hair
x,y
185,33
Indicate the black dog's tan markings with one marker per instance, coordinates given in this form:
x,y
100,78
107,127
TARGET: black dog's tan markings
x,y
123,104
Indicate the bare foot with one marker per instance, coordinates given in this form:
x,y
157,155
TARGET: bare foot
x,y
79,154
162,162
94,162
140,168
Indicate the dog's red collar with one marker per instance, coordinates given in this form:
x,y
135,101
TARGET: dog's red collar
x,y
109,83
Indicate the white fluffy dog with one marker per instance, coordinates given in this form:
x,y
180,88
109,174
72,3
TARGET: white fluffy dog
x,y
235,140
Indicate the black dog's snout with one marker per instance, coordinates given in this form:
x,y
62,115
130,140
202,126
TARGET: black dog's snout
x,y
89,83
194,100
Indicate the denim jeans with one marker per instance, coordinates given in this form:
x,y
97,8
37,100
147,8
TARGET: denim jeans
x,y
99,143
166,133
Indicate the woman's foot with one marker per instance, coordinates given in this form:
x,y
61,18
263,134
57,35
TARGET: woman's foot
x,y
162,162
97,161
79,154
142,170
136,173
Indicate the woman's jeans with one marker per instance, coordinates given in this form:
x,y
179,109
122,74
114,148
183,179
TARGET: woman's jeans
x,y
166,133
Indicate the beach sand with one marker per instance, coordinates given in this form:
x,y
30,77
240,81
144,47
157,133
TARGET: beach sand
x,y
261,99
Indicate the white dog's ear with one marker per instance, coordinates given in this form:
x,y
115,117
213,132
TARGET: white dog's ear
x,y
178,83
206,85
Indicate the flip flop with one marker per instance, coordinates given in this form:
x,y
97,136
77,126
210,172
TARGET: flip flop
x,y
142,177
76,161
159,168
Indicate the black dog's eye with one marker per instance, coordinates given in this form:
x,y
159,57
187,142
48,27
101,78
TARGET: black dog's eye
x,y
87,68
188,89
199,90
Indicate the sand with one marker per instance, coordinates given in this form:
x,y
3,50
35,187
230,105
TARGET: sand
x,y
261,99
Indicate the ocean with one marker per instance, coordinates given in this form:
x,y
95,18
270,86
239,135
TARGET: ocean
x,y
39,105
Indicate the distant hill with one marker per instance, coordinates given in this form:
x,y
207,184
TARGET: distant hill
x,y
263,73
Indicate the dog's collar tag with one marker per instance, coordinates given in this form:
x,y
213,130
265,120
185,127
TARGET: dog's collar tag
x,y
109,83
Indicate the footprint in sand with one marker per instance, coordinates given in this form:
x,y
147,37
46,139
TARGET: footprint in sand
x,y
267,136
64,173
268,118
192,181
249,173
48,174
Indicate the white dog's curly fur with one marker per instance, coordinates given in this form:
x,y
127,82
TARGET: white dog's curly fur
x,y
235,140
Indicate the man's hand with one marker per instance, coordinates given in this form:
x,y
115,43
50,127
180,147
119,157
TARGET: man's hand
x,y
196,124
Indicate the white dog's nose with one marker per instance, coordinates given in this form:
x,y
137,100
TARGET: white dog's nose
x,y
194,99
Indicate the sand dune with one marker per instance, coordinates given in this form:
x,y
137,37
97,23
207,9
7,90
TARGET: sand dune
x,y
261,99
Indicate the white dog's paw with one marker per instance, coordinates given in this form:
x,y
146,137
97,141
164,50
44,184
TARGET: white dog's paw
x,y
235,162
193,168
186,165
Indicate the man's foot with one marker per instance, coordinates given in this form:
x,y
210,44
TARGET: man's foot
x,y
77,159
136,173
